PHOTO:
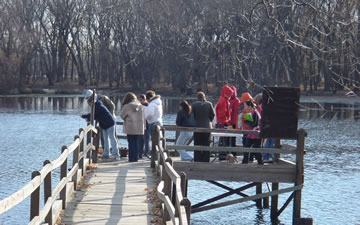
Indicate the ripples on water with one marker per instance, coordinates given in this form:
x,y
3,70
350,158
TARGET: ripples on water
x,y
34,129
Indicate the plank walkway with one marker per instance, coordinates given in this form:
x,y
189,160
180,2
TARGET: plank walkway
x,y
115,192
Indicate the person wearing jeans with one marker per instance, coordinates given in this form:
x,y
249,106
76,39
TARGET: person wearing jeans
x,y
107,124
110,134
185,118
133,115
153,114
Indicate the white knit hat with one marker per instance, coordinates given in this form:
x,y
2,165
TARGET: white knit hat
x,y
89,93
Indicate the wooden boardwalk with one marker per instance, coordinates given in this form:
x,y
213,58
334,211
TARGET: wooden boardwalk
x,y
115,192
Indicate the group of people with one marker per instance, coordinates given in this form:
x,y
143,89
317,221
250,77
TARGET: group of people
x,y
140,114
245,114
230,113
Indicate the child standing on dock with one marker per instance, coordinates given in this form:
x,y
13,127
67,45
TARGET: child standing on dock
x,y
132,113
252,120
185,118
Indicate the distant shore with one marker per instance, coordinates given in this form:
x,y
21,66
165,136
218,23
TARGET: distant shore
x,y
73,89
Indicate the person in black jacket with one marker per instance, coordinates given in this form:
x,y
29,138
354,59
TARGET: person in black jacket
x,y
204,115
185,118
107,124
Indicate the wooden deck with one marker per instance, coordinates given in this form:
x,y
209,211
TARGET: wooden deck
x,y
115,192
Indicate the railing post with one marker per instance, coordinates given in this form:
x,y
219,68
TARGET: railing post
x,y
96,141
258,191
167,190
88,141
173,189
81,160
162,129
48,193
277,145
299,173
75,160
63,174
184,184
275,187
155,138
187,204
35,198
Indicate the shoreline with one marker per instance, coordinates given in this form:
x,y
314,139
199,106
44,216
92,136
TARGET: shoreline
x,y
165,94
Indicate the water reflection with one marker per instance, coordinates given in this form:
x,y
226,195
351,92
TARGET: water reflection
x,y
309,110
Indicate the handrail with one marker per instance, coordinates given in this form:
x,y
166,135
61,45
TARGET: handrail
x,y
204,130
42,177
170,187
283,150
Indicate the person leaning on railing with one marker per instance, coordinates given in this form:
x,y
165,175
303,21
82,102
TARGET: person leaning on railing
x,y
108,104
185,118
107,124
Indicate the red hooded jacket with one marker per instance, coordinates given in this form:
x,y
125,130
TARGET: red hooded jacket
x,y
223,106
234,107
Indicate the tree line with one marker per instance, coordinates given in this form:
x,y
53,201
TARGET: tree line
x,y
311,44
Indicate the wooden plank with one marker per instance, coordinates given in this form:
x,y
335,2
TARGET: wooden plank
x,y
231,149
208,130
237,172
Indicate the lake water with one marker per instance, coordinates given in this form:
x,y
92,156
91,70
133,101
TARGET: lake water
x,y
34,128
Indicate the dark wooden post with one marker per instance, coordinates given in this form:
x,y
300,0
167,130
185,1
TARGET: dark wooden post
x,y
299,173
96,142
277,145
258,191
48,193
275,187
163,139
81,149
184,184
155,141
177,134
35,198
63,174
173,189
266,202
75,160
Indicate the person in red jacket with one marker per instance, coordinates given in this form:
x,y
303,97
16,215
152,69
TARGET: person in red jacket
x,y
234,107
223,106
223,116
234,110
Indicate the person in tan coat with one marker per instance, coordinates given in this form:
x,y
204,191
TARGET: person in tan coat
x,y
133,115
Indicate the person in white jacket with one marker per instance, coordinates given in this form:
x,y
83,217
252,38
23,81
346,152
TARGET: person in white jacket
x,y
154,111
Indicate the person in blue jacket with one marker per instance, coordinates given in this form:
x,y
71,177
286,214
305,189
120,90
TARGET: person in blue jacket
x,y
107,124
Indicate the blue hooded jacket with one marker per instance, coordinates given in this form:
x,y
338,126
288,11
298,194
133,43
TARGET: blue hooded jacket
x,y
102,115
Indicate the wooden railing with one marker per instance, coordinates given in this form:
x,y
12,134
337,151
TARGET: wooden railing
x,y
82,155
172,189
176,204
